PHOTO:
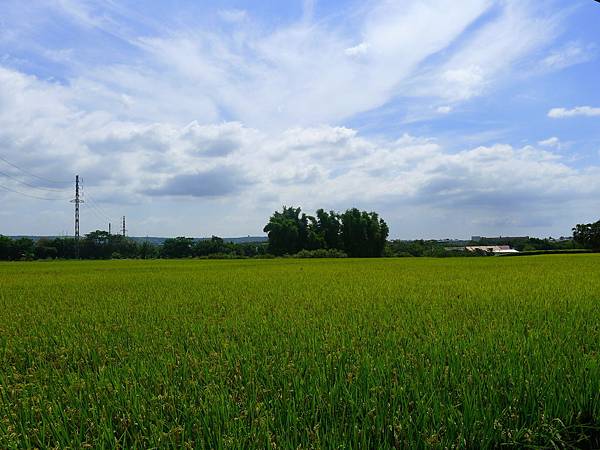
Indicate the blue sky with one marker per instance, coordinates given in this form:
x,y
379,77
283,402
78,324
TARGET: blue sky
x,y
451,119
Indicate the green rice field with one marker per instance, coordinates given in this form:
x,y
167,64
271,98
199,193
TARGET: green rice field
x,y
350,354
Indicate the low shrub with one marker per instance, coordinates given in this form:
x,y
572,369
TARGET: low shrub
x,y
321,253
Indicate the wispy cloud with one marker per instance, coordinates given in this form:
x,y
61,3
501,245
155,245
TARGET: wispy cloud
x,y
569,55
586,111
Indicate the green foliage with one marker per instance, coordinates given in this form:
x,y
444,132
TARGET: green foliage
x,y
21,249
417,248
321,253
530,243
287,231
5,247
45,250
588,235
359,234
328,227
289,353
179,247
363,234
102,245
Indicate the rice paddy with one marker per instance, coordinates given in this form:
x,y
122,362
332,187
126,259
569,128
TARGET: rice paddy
x,y
385,353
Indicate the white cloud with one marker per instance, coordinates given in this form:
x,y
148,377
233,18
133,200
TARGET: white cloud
x,y
233,15
357,50
561,113
312,166
253,118
571,54
550,142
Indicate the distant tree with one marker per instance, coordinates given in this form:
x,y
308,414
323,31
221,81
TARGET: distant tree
x,y
44,249
363,234
147,250
125,246
5,247
179,247
66,247
359,234
100,244
214,245
588,235
97,245
327,228
22,248
287,231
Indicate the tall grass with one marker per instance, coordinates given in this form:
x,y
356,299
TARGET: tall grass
x,y
408,353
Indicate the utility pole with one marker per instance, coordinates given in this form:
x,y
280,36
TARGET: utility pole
x,y
109,228
77,201
124,230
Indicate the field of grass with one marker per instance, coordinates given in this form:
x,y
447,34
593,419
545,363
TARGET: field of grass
x,y
387,353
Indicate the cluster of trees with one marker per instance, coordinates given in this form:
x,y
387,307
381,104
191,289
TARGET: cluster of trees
x,y
184,247
95,245
588,235
102,245
420,247
355,233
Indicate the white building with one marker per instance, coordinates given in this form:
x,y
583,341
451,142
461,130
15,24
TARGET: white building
x,y
495,249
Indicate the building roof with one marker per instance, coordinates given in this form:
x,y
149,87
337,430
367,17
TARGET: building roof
x,y
496,249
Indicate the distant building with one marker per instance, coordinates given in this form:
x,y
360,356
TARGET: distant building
x,y
495,249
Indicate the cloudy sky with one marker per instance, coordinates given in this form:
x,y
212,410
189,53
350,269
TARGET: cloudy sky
x,y
198,118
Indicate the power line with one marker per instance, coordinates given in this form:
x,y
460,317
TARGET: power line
x,y
31,185
33,196
94,204
32,174
96,213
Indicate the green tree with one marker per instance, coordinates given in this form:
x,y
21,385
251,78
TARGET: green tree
x,y
212,246
102,245
97,245
288,231
363,234
588,235
65,246
147,251
179,247
44,249
5,247
22,248
327,226
359,234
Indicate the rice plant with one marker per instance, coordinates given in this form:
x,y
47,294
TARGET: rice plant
x,y
346,353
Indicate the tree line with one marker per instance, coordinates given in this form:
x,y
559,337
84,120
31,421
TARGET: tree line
x,y
437,249
102,245
290,232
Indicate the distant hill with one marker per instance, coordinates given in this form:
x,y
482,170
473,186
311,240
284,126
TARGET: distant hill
x,y
159,240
